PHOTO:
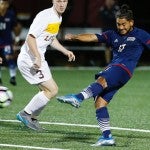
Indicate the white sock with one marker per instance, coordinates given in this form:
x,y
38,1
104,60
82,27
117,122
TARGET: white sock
x,y
37,104
87,93
12,72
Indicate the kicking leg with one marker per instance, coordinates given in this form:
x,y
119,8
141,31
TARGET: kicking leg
x,y
92,90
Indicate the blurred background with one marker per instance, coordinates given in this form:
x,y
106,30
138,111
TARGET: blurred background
x,y
83,16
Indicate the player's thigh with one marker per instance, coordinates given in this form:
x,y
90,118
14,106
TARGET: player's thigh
x,y
115,76
42,75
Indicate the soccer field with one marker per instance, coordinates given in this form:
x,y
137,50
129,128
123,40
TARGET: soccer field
x,y
76,129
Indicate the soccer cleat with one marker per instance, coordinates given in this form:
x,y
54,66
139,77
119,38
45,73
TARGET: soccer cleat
x,y
37,124
105,141
1,83
70,99
13,81
27,121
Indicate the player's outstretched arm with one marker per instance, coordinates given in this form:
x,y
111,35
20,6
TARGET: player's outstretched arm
x,y
81,37
55,44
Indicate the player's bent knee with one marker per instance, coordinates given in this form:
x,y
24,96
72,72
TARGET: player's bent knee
x,y
54,92
100,102
50,93
102,81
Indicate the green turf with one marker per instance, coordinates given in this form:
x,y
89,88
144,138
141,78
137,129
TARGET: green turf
x,y
128,109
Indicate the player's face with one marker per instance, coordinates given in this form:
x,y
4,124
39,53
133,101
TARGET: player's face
x,y
60,5
4,5
124,26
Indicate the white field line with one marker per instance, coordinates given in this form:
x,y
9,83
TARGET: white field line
x,y
28,147
83,125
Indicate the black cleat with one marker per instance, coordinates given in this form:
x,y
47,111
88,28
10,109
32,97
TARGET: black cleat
x,y
1,83
13,81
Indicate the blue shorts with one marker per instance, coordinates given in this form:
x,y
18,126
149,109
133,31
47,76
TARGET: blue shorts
x,y
116,77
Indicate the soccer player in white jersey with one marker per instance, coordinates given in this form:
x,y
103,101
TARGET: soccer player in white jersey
x,y
32,64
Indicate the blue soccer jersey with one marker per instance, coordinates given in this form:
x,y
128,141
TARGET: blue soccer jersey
x,y
126,49
7,22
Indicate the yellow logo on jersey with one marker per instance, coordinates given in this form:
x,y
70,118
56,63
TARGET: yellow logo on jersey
x,y
53,28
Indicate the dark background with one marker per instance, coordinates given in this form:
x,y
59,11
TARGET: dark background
x,y
84,14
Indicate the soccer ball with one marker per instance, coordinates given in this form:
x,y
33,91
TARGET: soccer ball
x,y
6,96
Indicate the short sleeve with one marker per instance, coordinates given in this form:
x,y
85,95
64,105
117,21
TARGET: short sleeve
x,y
37,25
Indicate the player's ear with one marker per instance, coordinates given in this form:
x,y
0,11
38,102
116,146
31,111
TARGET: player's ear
x,y
132,23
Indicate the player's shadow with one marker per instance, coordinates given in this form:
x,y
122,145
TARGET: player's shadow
x,y
78,136
129,138
68,136
87,137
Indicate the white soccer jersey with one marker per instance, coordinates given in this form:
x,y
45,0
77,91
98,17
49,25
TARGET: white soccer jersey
x,y
44,27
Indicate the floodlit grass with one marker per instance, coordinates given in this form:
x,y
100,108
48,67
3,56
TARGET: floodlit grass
x,y
128,109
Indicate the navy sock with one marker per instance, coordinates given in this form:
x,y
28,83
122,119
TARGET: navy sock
x,y
95,88
91,91
11,64
102,116
80,96
106,133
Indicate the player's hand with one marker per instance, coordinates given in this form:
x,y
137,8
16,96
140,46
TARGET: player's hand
x,y
1,60
36,63
71,56
69,37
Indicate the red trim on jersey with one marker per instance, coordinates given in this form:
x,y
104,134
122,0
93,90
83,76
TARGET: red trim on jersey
x,y
105,36
123,67
148,42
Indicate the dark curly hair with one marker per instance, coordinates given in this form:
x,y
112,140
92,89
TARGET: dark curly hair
x,y
125,12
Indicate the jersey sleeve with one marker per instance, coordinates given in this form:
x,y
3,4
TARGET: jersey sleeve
x,y
104,37
37,25
145,38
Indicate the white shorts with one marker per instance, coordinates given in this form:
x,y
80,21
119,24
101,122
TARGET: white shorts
x,y
25,67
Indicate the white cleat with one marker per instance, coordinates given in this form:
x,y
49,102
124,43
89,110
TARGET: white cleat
x,y
70,99
105,142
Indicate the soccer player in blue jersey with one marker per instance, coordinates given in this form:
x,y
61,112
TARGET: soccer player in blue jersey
x,y
127,44
7,23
